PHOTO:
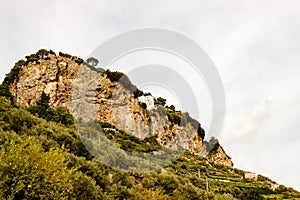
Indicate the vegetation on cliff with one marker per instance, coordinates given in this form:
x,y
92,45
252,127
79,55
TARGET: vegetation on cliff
x,y
45,159
42,157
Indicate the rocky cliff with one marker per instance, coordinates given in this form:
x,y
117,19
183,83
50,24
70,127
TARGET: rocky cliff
x,y
217,155
90,94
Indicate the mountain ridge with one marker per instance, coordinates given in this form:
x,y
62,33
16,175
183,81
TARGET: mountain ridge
x,y
111,96
36,114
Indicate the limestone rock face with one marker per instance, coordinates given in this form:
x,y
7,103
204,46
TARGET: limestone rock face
x,y
118,106
219,156
83,103
53,76
91,95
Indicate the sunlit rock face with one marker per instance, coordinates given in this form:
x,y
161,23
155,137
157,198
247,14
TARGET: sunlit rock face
x,y
91,95
219,156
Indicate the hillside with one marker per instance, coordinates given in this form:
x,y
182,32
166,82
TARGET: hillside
x,y
42,156
110,97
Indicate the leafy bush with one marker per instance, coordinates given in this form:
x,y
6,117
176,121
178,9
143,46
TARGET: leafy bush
x,y
137,93
101,70
156,193
85,187
43,110
78,60
174,117
143,105
128,142
189,191
114,76
32,58
34,163
27,172
160,101
251,194
64,55
121,79
43,53
13,75
4,92
172,107
92,61
62,115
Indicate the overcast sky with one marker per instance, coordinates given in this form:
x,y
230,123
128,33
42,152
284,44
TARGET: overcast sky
x,y
255,46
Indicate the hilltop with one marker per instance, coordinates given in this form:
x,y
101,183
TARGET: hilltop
x,y
109,97
42,155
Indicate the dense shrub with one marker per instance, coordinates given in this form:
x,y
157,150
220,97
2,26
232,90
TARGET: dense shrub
x,y
13,75
100,70
78,60
137,93
32,58
128,142
59,114
121,79
189,191
174,117
172,107
185,179
160,101
42,156
92,61
143,105
85,187
27,172
64,55
4,92
114,76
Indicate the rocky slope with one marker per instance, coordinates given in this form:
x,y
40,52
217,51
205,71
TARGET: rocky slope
x,y
92,95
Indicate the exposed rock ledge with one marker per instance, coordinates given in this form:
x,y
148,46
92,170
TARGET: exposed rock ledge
x,y
91,95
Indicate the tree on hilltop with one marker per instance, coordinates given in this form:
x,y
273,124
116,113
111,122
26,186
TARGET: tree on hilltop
x,y
92,61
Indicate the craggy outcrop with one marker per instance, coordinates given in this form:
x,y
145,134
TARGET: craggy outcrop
x,y
217,155
92,95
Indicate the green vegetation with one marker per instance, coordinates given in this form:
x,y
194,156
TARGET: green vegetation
x,y
26,170
101,70
128,142
42,156
160,101
92,61
76,59
63,169
59,114
143,105
64,55
124,81
121,79
43,54
137,93
183,119
114,76
4,92
13,75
